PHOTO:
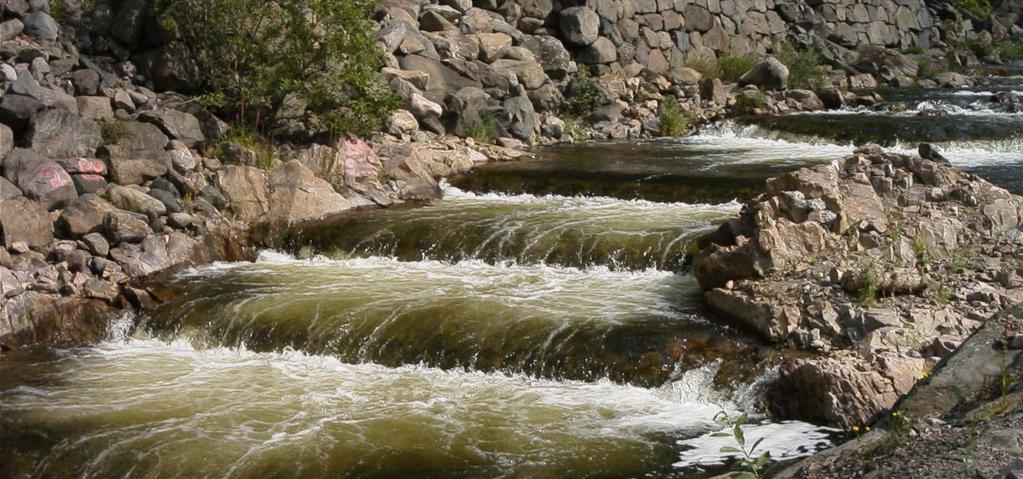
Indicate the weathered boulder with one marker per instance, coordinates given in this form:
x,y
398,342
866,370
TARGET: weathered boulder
x,y
125,227
130,199
22,219
39,178
41,26
493,46
580,26
16,111
769,74
84,216
134,167
297,195
59,133
443,80
8,189
598,52
247,189
551,54
176,124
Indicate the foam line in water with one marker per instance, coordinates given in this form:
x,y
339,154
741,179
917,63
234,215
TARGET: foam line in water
x,y
152,408
456,194
960,153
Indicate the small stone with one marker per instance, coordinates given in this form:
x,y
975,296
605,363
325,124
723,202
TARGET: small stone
x,y
97,244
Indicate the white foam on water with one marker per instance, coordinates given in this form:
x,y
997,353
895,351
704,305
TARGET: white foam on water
x,y
586,203
169,408
728,134
784,440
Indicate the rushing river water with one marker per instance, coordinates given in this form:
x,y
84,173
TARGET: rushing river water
x,y
536,322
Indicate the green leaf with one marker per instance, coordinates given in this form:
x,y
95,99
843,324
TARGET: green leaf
x,y
762,460
730,450
720,434
742,419
739,436
755,444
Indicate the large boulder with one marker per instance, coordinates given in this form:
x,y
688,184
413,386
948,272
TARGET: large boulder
x,y
176,124
16,111
134,167
551,54
39,178
599,52
84,216
130,199
529,72
580,26
769,74
443,80
297,195
247,189
59,133
22,219
8,189
133,135
41,26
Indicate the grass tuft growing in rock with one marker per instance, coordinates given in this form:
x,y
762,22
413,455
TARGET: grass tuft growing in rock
x,y
732,67
583,95
708,66
869,287
113,130
672,120
976,8
1010,50
484,130
806,65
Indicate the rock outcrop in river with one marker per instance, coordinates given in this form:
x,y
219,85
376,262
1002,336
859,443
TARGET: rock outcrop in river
x,y
880,265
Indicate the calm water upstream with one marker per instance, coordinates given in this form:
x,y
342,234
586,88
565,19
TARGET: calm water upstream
x,y
536,322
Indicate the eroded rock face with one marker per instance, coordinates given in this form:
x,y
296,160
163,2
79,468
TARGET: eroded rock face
x,y
875,263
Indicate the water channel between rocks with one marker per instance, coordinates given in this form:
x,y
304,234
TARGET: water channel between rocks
x,y
536,322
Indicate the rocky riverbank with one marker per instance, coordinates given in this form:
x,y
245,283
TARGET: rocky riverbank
x,y
880,266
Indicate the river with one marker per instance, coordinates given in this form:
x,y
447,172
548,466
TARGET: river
x,y
538,321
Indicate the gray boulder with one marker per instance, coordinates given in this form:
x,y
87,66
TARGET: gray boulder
x,y
580,26
61,134
769,74
176,124
133,167
599,52
41,26
10,29
130,199
16,111
8,190
551,54
40,178
522,117
22,219
84,216
443,80
125,227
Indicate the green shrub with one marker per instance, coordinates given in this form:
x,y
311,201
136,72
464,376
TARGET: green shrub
x,y
484,130
976,8
256,55
732,67
673,121
574,128
925,69
1010,50
708,66
869,288
583,95
251,139
914,50
748,101
113,130
979,47
806,65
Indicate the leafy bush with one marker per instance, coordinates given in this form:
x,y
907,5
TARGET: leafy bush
x,y
484,130
806,65
734,66
748,101
925,69
869,288
113,130
251,139
708,66
672,120
976,8
1010,50
257,56
583,95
